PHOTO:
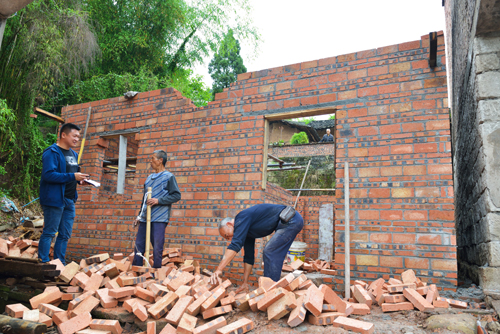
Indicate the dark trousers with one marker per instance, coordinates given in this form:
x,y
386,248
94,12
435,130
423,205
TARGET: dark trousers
x,y
157,239
276,249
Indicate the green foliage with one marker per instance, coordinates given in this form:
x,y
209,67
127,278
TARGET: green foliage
x,y
332,116
299,138
226,64
7,134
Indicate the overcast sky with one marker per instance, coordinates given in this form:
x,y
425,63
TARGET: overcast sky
x,y
294,31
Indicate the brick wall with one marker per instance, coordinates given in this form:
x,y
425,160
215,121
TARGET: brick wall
x,y
392,126
304,150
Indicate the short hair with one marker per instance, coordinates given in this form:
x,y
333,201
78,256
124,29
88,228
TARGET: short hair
x,y
67,127
224,222
161,154
328,130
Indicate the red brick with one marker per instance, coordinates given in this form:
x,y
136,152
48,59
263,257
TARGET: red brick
x,y
330,297
48,297
151,325
162,306
394,298
213,312
121,292
214,299
175,314
240,326
362,296
360,309
354,325
417,300
298,315
86,306
140,311
48,309
326,318
397,307
75,324
283,282
211,327
144,294
271,297
282,306
16,310
106,325
195,307
187,324
243,303
313,300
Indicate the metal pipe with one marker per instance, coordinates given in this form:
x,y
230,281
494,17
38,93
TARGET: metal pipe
x,y
347,235
148,228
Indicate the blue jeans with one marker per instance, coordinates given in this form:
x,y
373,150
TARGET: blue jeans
x,y
157,239
276,249
56,220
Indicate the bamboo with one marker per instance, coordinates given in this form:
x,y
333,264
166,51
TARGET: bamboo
x,y
148,227
302,185
84,135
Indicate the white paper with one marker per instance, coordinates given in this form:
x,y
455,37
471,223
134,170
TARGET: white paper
x,y
94,183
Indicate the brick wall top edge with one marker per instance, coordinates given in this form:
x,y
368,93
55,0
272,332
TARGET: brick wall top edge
x,y
331,60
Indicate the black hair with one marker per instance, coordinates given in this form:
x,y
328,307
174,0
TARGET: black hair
x,y
67,127
161,154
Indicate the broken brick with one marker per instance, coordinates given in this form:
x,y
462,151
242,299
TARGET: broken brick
x,y
408,277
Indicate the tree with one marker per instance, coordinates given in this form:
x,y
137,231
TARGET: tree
x,y
299,138
226,64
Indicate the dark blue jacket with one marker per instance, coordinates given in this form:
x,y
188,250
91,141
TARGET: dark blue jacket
x,y
54,177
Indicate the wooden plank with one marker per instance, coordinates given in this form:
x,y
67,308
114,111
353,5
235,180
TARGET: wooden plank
x,y
118,133
264,161
301,113
49,115
122,165
275,158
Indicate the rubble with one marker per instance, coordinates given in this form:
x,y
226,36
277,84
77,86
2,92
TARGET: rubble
x,y
181,294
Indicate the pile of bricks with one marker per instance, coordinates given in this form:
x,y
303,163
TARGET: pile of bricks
x,y
323,267
22,248
399,295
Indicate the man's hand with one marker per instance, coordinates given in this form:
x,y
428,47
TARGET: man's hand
x,y
152,201
215,278
243,288
81,176
136,221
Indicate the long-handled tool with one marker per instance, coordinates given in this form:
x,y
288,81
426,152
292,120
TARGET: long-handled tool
x,y
84,135
148,227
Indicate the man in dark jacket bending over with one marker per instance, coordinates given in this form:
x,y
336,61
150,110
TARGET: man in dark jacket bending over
x,y
255,222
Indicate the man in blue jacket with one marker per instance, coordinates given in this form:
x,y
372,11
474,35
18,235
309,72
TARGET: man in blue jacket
x,y
60,174
255,222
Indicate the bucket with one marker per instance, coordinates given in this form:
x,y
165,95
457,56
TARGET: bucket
x,y
297,251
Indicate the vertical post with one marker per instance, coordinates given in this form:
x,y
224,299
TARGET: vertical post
x,y
264,158
347,236
122,165
3,23
148,227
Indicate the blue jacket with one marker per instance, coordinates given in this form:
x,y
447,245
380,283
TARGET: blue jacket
x,y
54,177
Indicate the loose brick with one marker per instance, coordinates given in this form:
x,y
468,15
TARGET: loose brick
x,y
441,303
93,283
265,283
110,270
417,300
158,290
168,329
210,327
296,282
129,304
296,264
75,324
49,309
97,258
252,303
31,315
393,307
282,282
16,310
360,309
354,325
408,277
140,311
184,278
362,296
213,312
270,297
47,297
282,306
161,307
423,290
75,302
392,299
240,326
195,307
187,324
328,272
228,300
324,318
393,281
313,300
432,293
329,308
298,315
144,294
306,285
121,292
151,327
214,299
80,279
127,281
330,297
106,300
88,305
60,317
70,270
395,288
243,303
175,314
45,319
107,325
456,303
